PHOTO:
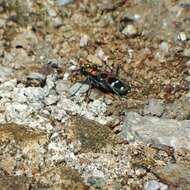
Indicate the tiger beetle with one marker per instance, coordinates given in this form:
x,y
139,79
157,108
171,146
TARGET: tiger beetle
x,y
105,81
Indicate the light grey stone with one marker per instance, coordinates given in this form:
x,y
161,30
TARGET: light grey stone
x,y
168,132
84,41
62,86
17,112
164,47
129,31
5,73
186,52
155,185
155,107
182,36
64,2
7,87
78,89
2,22
51,99
36,76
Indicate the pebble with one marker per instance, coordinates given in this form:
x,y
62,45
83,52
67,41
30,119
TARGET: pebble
x,y
62,86
84,41
187,78
5,73
155,185
2,22
164,47
97,107
94,59
186,52
155,107
130,31
78,89
51,99
64,2
140,172
36,76
26,40
155,130
182,36
35,79
101,55
188,63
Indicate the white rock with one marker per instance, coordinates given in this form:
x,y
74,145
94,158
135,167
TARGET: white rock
x,y
155,185
51,99
97,107
84,41
78,89
164,47
2,22
129,30
7,87
25,39
5,73
140,172
64,2
17,112
186,52
155,107
100,54
30,94
58,114
98,173
182,36
168,132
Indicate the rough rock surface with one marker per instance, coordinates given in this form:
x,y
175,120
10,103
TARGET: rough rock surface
x,y
52,137
157,131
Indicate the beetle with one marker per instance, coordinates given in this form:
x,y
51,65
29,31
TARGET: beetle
x,y
105,81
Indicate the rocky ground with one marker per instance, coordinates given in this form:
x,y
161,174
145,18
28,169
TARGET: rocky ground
x,y
54,138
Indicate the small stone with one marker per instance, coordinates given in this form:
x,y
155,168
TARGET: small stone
x,y
164,47
130,31
182,36
101,55
98,173
140,172
51,99
188,63
78,89
84,41
155,185
93,59
187,78
62,86
35,79
96,182
154,107
64,2
51,12
36,76
154,130
25,40
97,107
7,87
2,22
21,58
186,52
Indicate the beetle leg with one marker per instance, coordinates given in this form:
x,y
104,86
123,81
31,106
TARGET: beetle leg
x,y
88,94
117,71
